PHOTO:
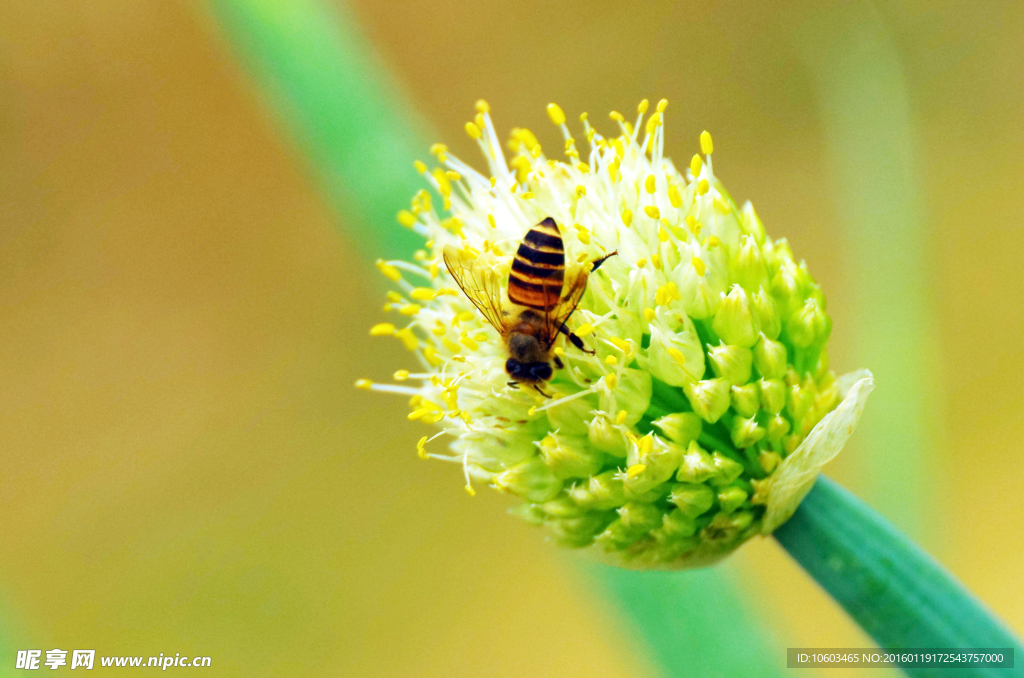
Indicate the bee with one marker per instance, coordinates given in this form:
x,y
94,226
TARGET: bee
x,y
542,296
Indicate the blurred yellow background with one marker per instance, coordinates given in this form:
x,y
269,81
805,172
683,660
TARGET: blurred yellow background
x,y
186,465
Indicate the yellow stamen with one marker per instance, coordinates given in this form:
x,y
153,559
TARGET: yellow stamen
x,y
491,222
556,114
401,375
649,315
410,309
695,164
611,360
482,106
420,167
674,197
423,293
706,146
364,384
620,418
698,266
584,329
650,184
646,445
388,270
470,490
656,261
677,356
382,330
652,211
408,338
611,380
421,448
662,105
406,218
703,186
627,217
635,470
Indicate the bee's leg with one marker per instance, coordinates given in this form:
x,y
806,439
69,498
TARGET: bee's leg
x,y
541,391
576,341
558,363
513,384
603,259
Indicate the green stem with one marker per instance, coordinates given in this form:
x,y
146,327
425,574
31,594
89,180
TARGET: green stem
x,y
897,593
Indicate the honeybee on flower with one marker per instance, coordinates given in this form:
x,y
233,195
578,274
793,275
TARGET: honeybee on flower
x,y
704,406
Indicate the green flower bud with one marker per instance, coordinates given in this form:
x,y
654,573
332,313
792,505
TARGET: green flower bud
x,y
561,506
708,398
680,427
751,224
766,313
731,498
580,530
748,266
604,491
692,499
531,480
697,465
726,470
632,395
607,436
800,398
570,457
778,427
676,358
571,417
734,322
773,395
769,461
770,358
676,523
731,363
635,520
745,432
810,325
786,289
728,527
652,462
745,399
700,284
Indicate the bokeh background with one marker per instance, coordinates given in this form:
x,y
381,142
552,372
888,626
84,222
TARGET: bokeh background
x,y
184,304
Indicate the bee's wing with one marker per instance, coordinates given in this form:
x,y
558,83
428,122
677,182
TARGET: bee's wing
x,y
575,285
479,283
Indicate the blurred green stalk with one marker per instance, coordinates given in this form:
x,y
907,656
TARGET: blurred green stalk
x,y
343,112
897,593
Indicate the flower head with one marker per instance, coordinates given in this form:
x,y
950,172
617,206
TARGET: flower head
x,y
704,405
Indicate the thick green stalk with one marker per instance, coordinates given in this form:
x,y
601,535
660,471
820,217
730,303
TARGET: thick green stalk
x,y
898,593
338,104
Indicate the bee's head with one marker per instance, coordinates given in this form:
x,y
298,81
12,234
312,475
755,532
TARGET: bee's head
x,y
529,372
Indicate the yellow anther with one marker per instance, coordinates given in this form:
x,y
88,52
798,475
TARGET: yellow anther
x,y
649,315
491,222
556,114
616,116
581,191
693,224
481,337
703,186
611,360
646,445
620,344
620,418
652,123
666,294
706,145
421,448
528,195
674,197
418,414
424,293
451,345
698,266
401,375
433,270
420,167
695,164
388,307
388,270
430,355
444,185
662,233
581,257
611,380
469,343
482,106
642,107
584,329
364,384
465,316
470,490
394,297
410,309
406,218
583,167
560,352
628,126
627,217
721,206
650,184
635,470
415,401
584,236
408,339
652,211
439,151
473,131
640,263
532,411
656,261
677,356
713,241
453,175
382,330
662,105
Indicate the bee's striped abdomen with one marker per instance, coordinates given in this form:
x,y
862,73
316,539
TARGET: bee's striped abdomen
x,y
538,269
